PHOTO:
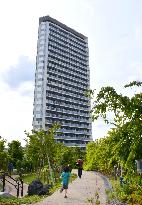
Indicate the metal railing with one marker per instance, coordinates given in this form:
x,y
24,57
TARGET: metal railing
x,y
16,183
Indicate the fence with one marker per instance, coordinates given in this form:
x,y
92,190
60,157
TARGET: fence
x,y
16,183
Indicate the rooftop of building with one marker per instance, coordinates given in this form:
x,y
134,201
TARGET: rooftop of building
x,y
52,20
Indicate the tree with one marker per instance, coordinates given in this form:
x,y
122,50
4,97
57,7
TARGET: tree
x,y
41,148
125,139
15,151
3,155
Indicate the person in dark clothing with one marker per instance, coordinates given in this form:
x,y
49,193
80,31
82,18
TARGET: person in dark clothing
x,y
79,172
80,167
10,168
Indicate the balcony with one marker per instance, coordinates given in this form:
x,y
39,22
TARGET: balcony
x,y
66,118
73,131
75,145
72,138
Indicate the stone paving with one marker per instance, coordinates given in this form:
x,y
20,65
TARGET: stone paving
x,y
80,192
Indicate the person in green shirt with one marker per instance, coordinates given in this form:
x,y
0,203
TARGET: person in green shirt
x,y
65,175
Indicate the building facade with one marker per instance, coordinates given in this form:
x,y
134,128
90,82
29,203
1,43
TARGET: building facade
x,y
61,79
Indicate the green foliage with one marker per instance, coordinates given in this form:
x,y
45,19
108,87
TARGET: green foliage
x,y
28,178
129,192
98,156
69,155
94,200
123,143
3,155
134,83
15,152
41,148
97,202
24,200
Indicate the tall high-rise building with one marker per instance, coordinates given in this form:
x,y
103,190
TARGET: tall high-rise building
x,y
61,79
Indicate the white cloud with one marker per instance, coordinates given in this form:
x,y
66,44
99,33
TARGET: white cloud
x,y
21,72
15,112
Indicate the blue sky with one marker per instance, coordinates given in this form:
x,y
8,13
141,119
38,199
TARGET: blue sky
x,y
114,30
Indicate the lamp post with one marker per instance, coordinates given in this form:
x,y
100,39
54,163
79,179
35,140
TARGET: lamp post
x,y
115,167
139,166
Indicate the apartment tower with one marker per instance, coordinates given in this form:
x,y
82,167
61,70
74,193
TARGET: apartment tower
x,y
62,78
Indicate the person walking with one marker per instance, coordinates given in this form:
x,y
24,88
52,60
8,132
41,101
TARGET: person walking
x,y
10,168
80,167
65,175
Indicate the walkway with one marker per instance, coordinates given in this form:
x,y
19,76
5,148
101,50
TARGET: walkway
x,y
80,192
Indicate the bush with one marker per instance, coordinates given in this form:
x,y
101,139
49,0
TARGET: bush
x,y
130,192
15,201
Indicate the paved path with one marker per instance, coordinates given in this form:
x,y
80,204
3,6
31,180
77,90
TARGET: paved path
x,y
80,190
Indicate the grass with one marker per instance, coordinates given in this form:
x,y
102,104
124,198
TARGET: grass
x,y
24,200
28,178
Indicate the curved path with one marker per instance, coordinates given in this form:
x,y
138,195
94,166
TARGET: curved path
x,y
80,192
